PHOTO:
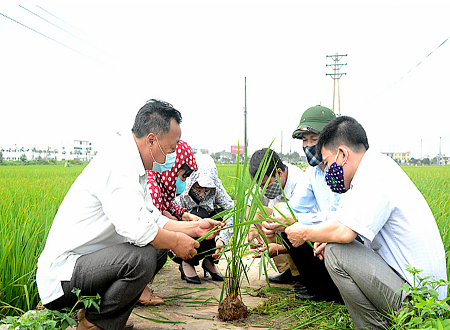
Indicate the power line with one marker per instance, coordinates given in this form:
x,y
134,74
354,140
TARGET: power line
x,y
73,35
416,65
73,27
51,38
59,18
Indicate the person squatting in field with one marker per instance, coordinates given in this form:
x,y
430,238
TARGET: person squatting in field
x,y
312,195
381,205
164,182
205,196
291,178
107,237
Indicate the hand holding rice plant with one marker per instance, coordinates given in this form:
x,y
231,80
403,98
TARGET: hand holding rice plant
x,y
208,228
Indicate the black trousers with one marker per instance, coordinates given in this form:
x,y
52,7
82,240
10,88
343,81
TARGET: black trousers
x,y
207,246
313,273
206,249
119,274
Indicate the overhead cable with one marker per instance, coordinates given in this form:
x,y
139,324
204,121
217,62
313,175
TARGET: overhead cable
x,y
51,38
417,64
59,18
73,35
73,27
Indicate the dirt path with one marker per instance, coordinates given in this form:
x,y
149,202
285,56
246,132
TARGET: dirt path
x,y
168,283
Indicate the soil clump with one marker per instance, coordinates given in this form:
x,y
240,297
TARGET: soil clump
x,y
196,306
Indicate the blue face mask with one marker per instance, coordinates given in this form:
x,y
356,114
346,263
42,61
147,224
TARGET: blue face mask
x,y
181,185
168,163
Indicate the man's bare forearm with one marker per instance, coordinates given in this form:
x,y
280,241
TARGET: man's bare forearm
x,y
186,227
329,231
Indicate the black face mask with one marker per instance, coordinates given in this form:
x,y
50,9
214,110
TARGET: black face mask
x,y
200,197
312,156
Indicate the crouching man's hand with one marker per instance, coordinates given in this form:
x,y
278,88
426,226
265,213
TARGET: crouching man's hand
x,y
268,228
319,250
206,225
253,235
274,250
295,233
184,246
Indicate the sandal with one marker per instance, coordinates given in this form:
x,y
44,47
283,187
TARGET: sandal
x,y
153,299
82,319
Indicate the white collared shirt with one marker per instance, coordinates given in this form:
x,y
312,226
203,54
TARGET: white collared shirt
x,y
295,179
108,204
388,211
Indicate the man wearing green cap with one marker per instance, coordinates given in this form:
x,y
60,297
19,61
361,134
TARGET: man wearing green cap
x,y
314,194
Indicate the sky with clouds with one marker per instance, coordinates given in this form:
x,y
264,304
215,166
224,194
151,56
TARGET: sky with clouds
x,y
83,71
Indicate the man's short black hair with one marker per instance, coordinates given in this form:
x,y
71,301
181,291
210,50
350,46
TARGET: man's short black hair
x,y
155,117
343,130
274,162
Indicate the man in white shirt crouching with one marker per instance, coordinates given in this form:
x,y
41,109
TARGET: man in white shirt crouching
x,y
107,237
381,205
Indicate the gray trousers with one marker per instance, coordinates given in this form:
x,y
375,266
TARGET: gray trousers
x,y
119,274
366,282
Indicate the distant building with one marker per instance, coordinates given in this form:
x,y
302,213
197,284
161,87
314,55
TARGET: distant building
x,y
78,149
200,151
225,156
399,157
68,150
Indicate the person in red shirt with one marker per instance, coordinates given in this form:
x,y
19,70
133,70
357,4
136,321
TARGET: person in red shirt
x,y
163,188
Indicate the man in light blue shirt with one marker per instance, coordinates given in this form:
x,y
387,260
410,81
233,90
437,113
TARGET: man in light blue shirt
x,y
311,202
316,192
314,195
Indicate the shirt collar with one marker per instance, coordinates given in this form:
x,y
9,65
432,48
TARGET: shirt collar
x,y
288,187
136,156
365,165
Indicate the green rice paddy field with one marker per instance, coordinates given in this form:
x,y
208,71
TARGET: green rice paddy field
x,y
30,197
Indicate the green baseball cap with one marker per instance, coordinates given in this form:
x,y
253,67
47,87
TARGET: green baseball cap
x,y
313,120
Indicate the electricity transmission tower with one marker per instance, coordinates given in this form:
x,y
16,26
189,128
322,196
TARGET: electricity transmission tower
x,y
336,75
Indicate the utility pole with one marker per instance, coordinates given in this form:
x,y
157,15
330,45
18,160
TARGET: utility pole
x,y
336,75
440,139
281,143
245,116
421,149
